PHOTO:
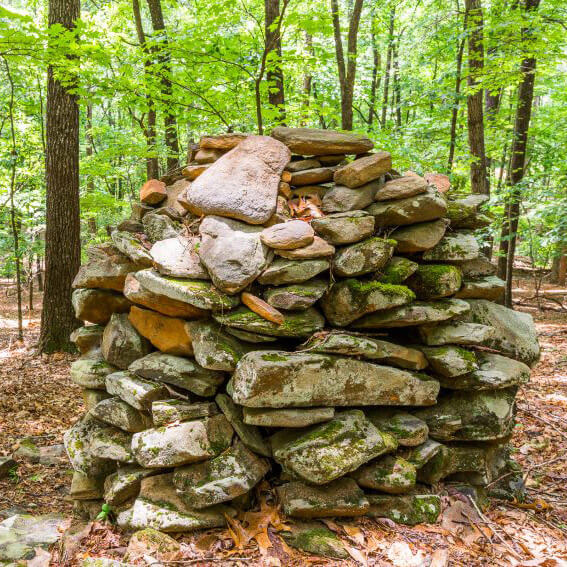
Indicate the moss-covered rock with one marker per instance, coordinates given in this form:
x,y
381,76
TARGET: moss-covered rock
x,y
283,271
400,212
454,246
280,379
416,313
135,391
494,372
111,443
160,227
330,450
124,483
198,293
449,361
287,417
249,434
159,506
396,271
121,343
87,338
390,474
471,416
363,257
344,228
91,372
514,332
352,344
296,296
410,509
421,454
132,247
408,430
435,281
182,443
341,497
117,412
296,323
229,475
342,199
178,371
452,459
165,412
314,538
419,237
456,332
488,287
350,299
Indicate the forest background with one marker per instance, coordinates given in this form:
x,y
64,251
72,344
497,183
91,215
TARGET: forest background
x,y
96,98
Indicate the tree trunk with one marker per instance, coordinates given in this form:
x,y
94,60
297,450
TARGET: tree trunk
x,y
307,81
62,237
274,74
388,65
397,98
152,164
39,273
90,144
456,103
375,82
346,70
478,171
15,223
518,151
562,270
164,59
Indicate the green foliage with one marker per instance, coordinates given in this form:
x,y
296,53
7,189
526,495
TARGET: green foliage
x,y
215,53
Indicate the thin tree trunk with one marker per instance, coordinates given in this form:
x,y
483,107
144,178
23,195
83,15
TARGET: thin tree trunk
x,y
456,103
171,140
562,270
39,269
152,164
478,170
388,66
90,145
307,81
274,74
397,87
62,238
15,224
376,64
518,152
346,70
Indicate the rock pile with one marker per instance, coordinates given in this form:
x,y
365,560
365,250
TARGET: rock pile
x,y
283,311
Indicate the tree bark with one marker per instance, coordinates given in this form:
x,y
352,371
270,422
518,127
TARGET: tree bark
x,y
397,98
456,103
388,65
274,74
518,151
90,144
170,120
62,237
152,164
346,70
478,170
15,223
307,81
375,82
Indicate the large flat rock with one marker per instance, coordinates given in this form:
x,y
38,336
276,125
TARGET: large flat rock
x,y
364,169
319,142
280,379
348,300
344,228
232,252
200,294
325,452
98,305
283,271
420,208
243,183
295,324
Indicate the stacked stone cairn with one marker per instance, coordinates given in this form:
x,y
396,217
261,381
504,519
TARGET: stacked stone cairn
x,y
290,308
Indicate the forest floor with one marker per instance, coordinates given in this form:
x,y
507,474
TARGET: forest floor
x,y
38,400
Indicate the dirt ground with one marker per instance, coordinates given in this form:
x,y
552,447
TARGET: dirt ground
x,y
38,400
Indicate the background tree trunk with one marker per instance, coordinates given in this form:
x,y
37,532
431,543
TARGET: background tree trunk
x,y
152,163
307,81
346,70
62,238
274,74
170,120
376,64
518,152
456,103
479,172
90,144
388,66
